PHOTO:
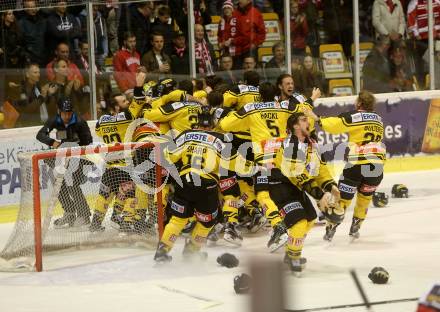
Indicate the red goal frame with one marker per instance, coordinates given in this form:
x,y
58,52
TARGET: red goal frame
x,y
80,151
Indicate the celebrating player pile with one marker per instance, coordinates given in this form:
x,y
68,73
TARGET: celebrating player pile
x,y
238,158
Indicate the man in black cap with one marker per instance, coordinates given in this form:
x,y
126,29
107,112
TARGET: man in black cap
x,y
71,130
180,54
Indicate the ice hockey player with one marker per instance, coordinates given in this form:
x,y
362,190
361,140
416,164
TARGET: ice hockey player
x,y
70,129
181,115
115,181
364,169
300,169
200,156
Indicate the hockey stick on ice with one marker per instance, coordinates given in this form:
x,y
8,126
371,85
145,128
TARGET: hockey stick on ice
x,y
347,306
211,303
361,289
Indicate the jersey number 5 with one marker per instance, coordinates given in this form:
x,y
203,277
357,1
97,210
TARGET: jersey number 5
x,y
274,131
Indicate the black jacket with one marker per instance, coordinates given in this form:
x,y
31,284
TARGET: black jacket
x,y
10,42
180,64
132,20
77,131
62,29
33,30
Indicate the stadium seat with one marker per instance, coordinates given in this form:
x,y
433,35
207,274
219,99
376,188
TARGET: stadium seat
x,y
334,62
273,29
264,54
364,50
340,87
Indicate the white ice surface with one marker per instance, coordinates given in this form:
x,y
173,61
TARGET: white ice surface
x,y
404,238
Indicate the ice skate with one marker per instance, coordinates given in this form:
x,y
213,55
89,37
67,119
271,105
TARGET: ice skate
x,y
257,222
295,266
354,228
330,231
95,226
278,238
67,220
232,235
302,260
161,255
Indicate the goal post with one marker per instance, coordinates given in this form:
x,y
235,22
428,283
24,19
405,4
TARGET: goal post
x,y
122,185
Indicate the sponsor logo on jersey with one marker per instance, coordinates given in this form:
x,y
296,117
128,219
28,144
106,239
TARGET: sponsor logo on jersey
x,y
347,188
370,117
358,117
226,184
291,207
177,105
177,207
106,118
245,88
262,180
203,138
205,217
271,146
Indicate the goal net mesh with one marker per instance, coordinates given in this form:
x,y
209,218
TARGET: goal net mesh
x,y
104,197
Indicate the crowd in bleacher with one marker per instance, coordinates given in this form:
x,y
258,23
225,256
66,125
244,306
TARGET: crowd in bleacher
x,y
44,51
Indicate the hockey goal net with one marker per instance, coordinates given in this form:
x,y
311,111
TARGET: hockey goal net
x,y
85,198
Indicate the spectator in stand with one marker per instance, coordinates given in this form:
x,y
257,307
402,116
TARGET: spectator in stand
x,y
63,52
418,30
224,29
135,18
62,27
295,63
180,55
100,31
157,63
164,24
30,100
102,82
309,77
226,73
126,63
401,75
299,29
389,19
249,63
201,13
277,64
11,54
64,87
204,52
376,69
33,29
250,31
113,16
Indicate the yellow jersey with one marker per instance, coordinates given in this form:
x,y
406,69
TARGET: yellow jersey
x,y
241,95
112,128
206,154
181,116
265,121
365,133
302,164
